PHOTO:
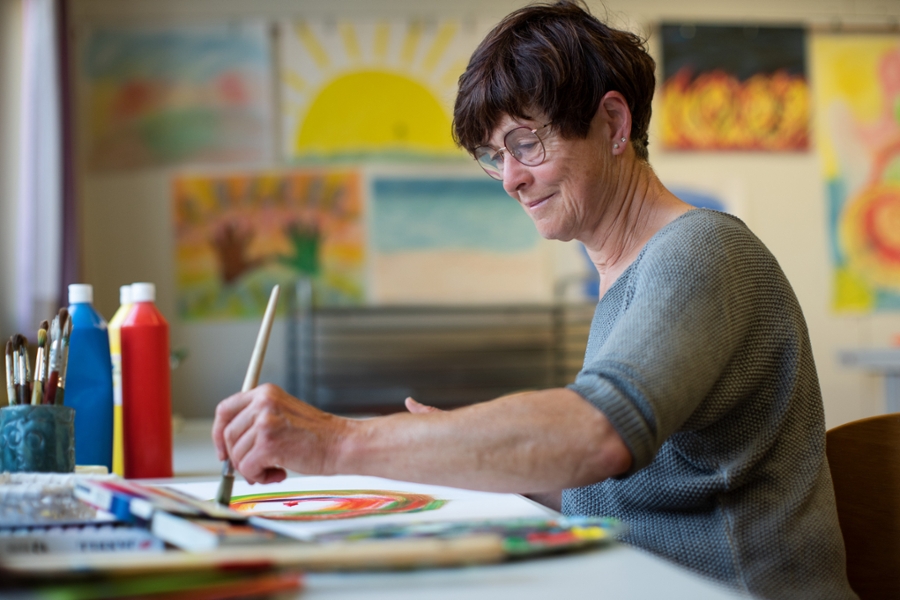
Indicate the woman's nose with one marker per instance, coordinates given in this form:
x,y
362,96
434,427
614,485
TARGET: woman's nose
x,y
515,175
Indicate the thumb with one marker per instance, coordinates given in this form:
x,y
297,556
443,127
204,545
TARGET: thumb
x,y
418,408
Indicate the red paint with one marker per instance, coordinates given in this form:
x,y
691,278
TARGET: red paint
x,y
146,393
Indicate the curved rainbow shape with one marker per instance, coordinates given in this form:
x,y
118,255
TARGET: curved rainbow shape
x,y
343,504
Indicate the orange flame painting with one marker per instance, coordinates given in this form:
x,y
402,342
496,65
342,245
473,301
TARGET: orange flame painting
x,y
734,88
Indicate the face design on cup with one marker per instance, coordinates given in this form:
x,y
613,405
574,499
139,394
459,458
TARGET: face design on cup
x,y
29,439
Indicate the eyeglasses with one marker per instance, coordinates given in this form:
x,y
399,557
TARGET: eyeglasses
x,y
523,144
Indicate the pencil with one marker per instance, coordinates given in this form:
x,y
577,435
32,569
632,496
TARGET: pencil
x,y
223,496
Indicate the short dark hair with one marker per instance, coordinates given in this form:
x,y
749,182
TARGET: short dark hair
x,y
557,59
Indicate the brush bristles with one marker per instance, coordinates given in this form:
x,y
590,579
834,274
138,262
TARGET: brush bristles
x,y
42,337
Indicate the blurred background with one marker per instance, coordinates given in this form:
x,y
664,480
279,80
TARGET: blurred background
x,y
218,147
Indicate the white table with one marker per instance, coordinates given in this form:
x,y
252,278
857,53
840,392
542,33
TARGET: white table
x,y
616,572
613,572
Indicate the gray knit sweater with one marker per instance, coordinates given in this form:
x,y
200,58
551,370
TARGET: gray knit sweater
x,y
700,357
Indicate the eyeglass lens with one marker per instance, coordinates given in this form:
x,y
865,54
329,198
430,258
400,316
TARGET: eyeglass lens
x,y
522,143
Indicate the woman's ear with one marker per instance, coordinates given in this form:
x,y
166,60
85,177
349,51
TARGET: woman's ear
x,y
615,115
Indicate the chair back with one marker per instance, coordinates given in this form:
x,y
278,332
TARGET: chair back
x,y
864,457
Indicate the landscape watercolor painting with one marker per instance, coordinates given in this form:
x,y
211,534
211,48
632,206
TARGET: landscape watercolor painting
x,y
730,87
857,94
157,96
239,234
445,240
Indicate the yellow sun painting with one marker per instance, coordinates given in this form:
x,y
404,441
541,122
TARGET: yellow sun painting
x,y
371,88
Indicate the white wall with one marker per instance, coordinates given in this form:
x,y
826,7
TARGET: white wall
x,y
10,71
126,217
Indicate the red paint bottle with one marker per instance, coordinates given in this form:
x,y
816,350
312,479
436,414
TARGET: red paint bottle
x,y
146,388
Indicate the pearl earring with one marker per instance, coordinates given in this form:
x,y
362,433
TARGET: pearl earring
x,y
615,146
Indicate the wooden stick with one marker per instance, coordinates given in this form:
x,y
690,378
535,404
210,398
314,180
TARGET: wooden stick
x,y
372,554
223,496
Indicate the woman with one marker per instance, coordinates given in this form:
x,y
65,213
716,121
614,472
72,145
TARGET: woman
x,y
697,417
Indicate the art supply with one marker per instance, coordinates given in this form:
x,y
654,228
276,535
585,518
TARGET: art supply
x,y
60,331
10,375
89,384
309,506
146,388
115,352
30,499
37,438
521,537
40,369
202,534
133,502
202,583
80,538
223,496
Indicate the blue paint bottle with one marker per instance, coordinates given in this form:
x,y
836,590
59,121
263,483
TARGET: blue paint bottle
x,y
89,384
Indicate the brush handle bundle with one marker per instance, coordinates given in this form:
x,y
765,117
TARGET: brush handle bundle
x,y
46,385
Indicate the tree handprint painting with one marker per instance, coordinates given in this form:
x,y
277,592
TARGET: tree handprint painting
x,y
237,235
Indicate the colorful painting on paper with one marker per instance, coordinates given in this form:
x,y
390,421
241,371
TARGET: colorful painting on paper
x,y
734,88
443,240
175,95
368,89
238,235
857,94
325,505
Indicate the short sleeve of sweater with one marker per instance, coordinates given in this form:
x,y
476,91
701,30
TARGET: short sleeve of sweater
x,y
674,320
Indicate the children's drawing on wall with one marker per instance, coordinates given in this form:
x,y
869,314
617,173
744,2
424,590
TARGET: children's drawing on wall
x,y
355,89
239,234
857,92
444,240
322,505
158,96
734,88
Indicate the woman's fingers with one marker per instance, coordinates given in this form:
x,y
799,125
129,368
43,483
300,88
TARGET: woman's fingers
x,y
225,412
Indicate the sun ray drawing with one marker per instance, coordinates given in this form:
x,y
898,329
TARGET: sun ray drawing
x,y
371,89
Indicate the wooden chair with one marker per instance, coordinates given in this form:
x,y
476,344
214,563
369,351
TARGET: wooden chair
x,y
864,457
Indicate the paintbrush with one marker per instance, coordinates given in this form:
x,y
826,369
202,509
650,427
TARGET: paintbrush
x,y
10,374
40,367
20,354
65,326
45,367
53,367
26,359
223,496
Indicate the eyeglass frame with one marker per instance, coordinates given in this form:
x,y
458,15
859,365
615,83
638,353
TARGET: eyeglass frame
x,y
505,149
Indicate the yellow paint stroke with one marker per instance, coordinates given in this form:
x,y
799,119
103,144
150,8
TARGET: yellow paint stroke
x,y
351,42
442,39
382,38
294,81
411,43
315,49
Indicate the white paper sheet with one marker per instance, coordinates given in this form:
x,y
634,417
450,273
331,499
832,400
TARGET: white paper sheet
x,y
461,505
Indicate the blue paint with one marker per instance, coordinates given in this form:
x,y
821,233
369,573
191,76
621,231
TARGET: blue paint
x,y
89,388
447,214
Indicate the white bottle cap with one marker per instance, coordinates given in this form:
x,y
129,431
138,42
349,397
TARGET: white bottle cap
x,y
125,294
143,292
80,293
